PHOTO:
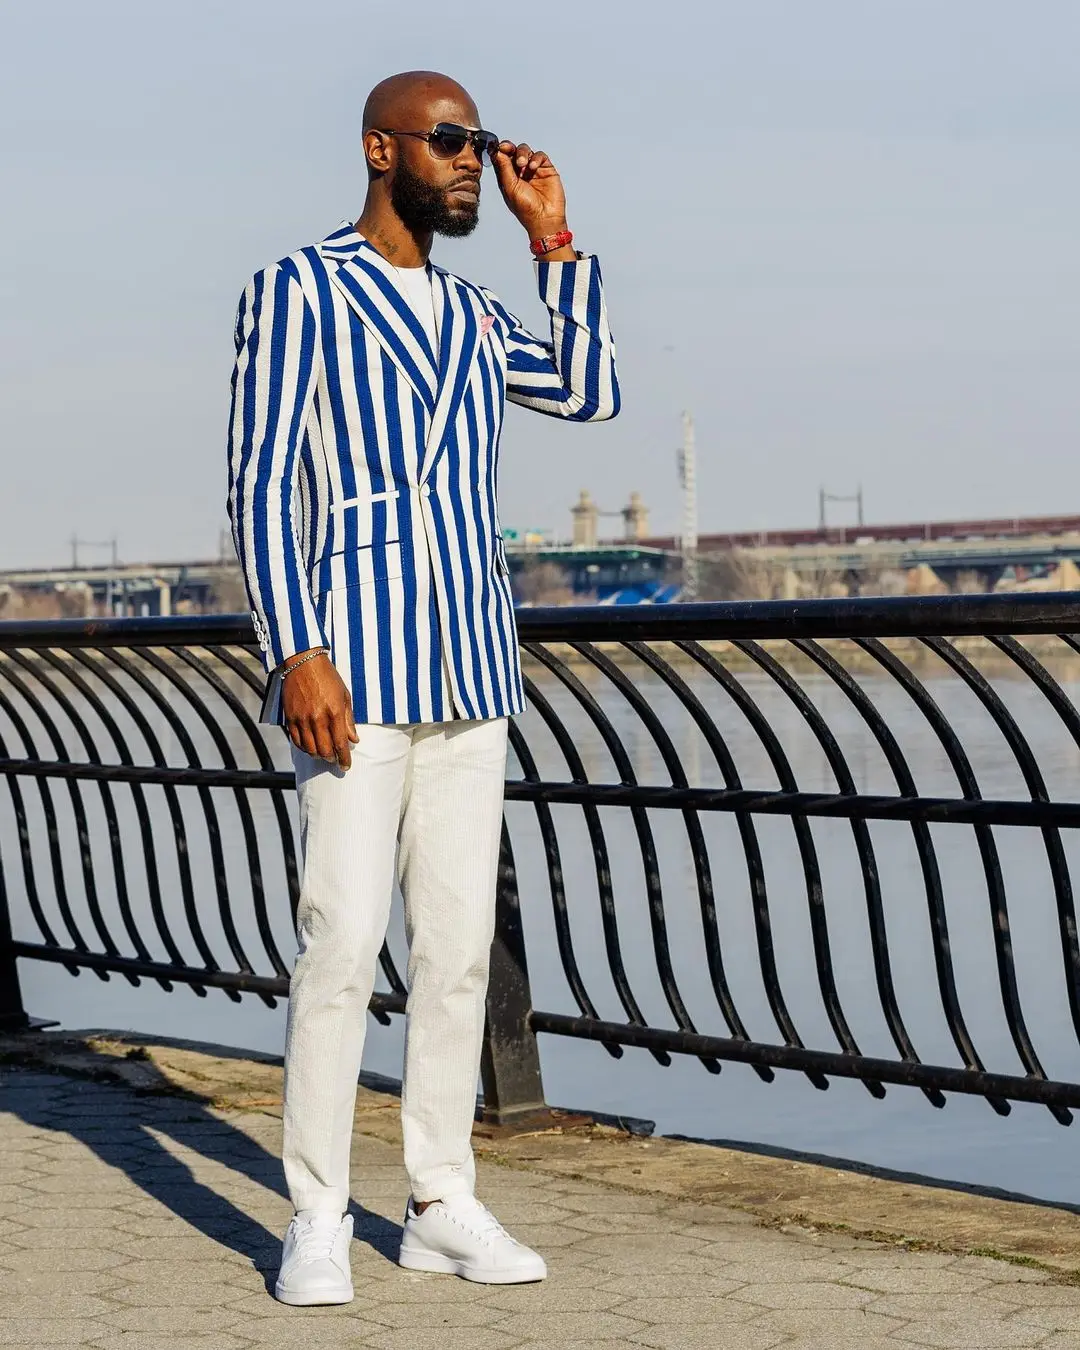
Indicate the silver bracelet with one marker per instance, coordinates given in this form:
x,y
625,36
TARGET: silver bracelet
x,y
319,651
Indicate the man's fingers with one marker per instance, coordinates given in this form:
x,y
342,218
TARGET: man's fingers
x,y
520,162
324,740
342,739
303,739
503,164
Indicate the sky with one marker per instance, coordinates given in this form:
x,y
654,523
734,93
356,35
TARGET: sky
x,y
843,233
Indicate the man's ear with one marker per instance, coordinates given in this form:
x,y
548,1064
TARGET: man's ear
x,y
377,150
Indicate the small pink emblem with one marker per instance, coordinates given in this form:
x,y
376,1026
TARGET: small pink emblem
x,y
485,324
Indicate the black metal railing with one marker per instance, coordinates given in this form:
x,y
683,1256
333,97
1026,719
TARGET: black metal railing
x,y
829,836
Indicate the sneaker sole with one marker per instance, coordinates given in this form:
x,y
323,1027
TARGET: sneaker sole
x,y
316,1300
435,1263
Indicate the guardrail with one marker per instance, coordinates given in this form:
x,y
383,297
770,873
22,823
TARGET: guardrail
x,y
149,834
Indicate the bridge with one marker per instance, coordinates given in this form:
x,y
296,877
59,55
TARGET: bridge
x,y
138,589
618,571
990,547
910,533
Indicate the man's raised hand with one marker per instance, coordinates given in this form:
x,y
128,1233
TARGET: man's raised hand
x,y
531,187
317,708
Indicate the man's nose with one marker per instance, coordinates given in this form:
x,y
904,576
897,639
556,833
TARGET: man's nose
x,y
469,159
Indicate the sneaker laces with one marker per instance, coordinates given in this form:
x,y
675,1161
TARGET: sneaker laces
x,y
315,1239
479,1220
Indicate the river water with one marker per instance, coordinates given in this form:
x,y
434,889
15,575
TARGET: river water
x,y
1026,1151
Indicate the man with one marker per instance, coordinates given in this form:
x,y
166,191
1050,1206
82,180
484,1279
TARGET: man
x,y
368,399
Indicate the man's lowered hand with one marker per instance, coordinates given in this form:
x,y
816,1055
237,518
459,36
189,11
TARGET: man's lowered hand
x,y
318,710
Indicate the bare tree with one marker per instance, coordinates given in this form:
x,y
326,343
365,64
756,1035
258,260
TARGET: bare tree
x,y
61,603
969,582
229,595
544,583
737,574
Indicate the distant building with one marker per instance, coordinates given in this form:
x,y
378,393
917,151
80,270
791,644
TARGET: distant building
x,y
635,518
586,516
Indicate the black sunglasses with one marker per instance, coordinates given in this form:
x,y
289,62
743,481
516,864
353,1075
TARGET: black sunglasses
x,y
446,140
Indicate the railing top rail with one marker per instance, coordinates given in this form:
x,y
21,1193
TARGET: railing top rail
x,y
868,616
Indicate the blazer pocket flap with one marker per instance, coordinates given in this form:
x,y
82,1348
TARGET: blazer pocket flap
x,y
358,566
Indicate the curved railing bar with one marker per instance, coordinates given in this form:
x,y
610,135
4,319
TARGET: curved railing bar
x,y
281,810
770,742
66,670
115,687
1029,768
695,835
728,771
22,827
650,864
134,671
556,884
1070,717
969,786
82,830
927,855
251,841
250,670
217,854
608,915
1034,669
1063,706
815,898
601,863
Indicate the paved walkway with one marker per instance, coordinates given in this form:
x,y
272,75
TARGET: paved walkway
x,y
147,1223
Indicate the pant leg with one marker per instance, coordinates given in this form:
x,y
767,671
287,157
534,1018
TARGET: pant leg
x,y
448,864
348,824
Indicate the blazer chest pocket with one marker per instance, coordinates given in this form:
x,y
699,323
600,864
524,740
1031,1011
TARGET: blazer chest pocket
x,y
358,567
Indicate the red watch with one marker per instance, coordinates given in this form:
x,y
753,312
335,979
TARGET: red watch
x,y
550,242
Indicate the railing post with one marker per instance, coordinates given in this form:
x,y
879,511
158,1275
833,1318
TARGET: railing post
x,y
510,1062
12,1013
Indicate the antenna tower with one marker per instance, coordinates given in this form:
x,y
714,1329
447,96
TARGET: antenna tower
x,y
688,543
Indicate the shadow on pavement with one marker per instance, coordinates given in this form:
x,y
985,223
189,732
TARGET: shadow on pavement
x,y
124,1128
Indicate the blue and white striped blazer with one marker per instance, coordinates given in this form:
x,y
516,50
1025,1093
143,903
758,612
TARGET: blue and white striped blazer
x,y
363,469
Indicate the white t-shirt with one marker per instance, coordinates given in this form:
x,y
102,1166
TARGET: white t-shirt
x,y
416,284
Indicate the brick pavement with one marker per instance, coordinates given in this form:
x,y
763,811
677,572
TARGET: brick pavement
x,y
136,1222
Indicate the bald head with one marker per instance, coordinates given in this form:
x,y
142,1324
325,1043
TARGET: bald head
x,y
415,100
431,186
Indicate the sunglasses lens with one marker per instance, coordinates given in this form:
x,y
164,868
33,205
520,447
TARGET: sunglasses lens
x,y
486,143
448,140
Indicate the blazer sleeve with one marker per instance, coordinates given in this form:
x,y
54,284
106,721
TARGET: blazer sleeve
x,y
273,387
573,374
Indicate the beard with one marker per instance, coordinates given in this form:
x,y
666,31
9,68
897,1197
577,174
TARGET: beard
x,y
425,208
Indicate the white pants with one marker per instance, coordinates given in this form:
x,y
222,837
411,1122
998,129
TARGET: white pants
x,y
432,794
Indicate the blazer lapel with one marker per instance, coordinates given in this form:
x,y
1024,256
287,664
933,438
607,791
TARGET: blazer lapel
x,y
369,283
457,316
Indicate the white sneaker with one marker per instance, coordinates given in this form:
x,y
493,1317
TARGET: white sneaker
x,y
459,1236
315,1261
